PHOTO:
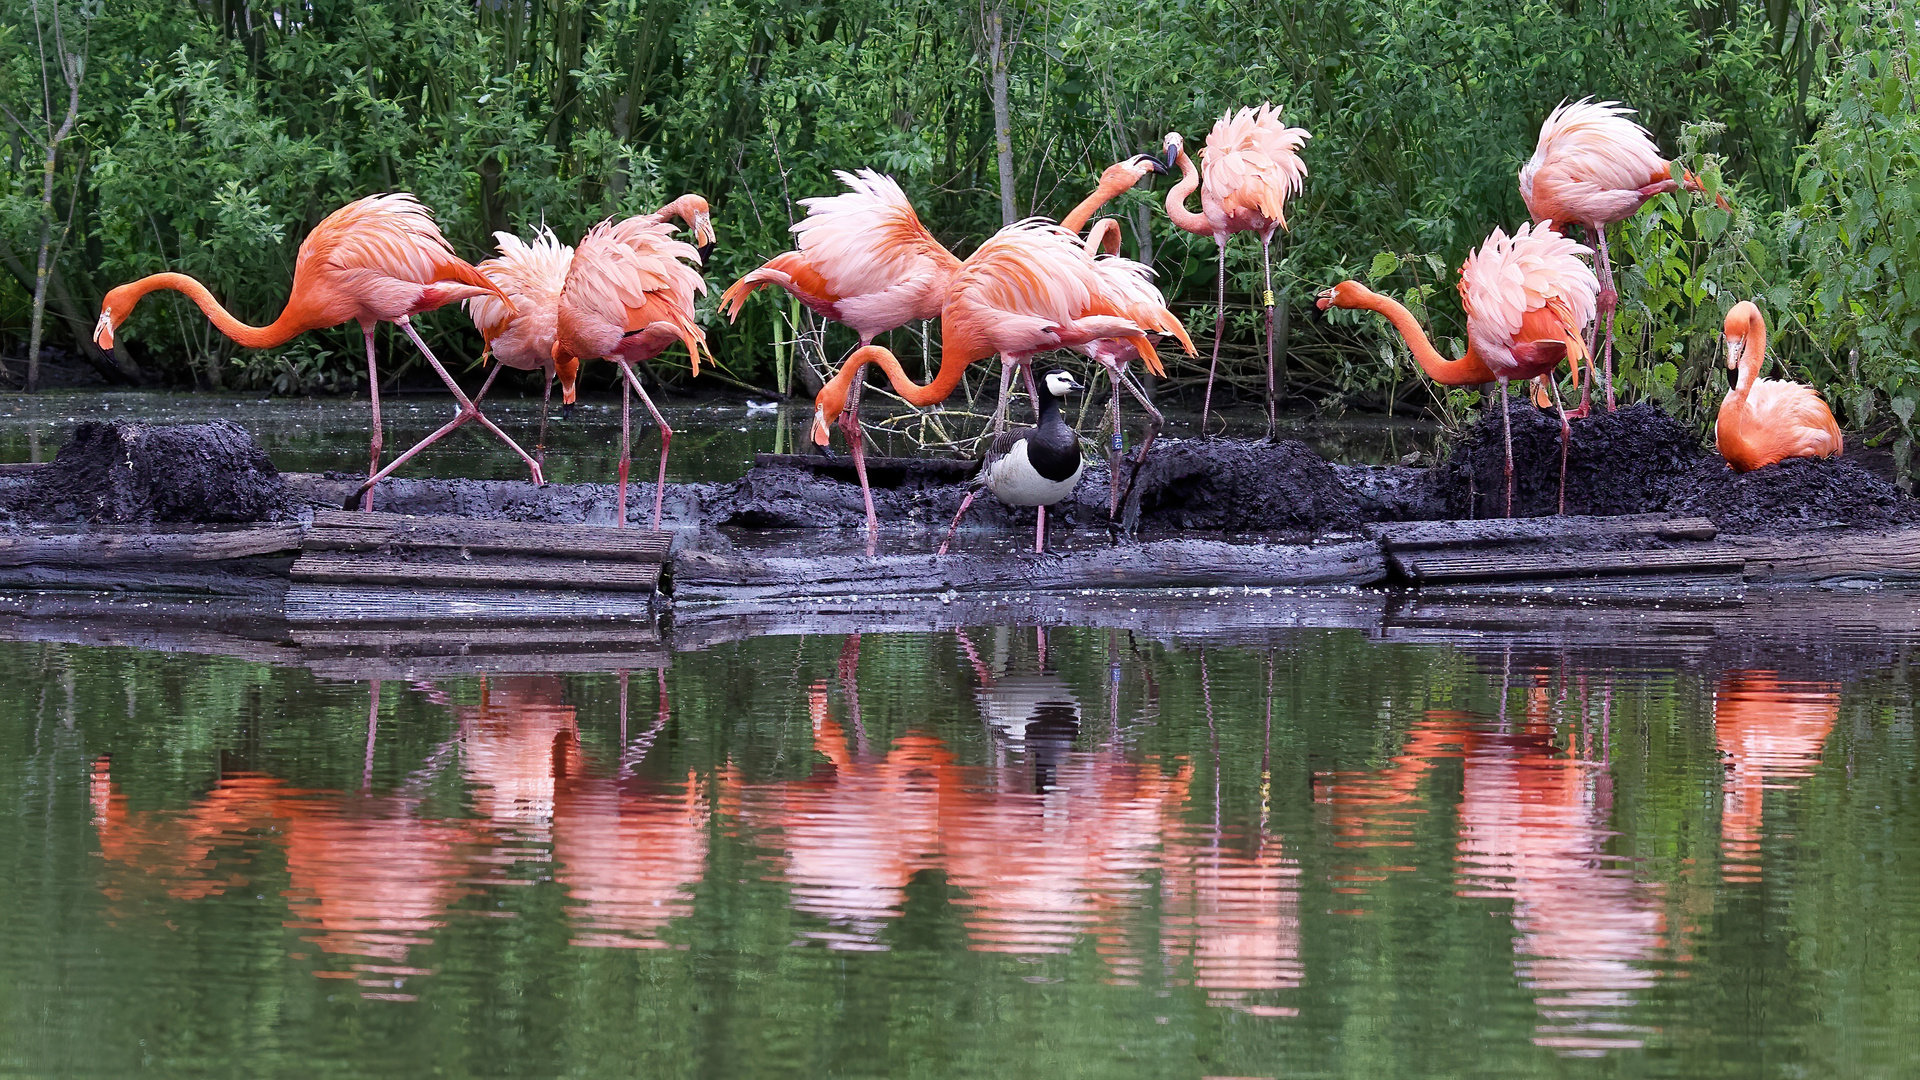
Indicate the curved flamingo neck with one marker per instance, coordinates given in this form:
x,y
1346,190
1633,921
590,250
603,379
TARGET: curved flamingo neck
x,y
1078,217
1469,370
1177,199
1753,358
289,325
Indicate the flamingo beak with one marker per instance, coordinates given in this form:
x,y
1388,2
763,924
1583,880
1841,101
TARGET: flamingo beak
x,y
1150,163
1323,299
703,237
1173,156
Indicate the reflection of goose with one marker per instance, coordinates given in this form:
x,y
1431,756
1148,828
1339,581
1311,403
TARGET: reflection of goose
x,y
1010,704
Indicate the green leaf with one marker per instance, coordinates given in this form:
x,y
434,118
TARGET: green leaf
x,y
1384,264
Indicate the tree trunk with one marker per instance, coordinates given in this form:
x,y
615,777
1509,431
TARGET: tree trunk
x,y
1002,121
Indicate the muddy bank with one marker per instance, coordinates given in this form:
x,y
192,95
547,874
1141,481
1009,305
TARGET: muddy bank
x,y
1794,496
134,474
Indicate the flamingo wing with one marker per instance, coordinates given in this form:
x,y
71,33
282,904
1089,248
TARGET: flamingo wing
x,y
1252,163
628,276
531,275
1509,278
1780,420
1589,163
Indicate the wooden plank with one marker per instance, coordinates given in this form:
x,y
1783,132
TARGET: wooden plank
x,y
1428,535
359,667
605,637
22,468
312,603
356,531
119,546
498,572
1511,566
885,471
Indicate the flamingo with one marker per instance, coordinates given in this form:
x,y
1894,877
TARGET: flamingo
x,y
1252,167
1765,421
377,259
1529,299
1030,287
864,258
627,297
1593,167
521,336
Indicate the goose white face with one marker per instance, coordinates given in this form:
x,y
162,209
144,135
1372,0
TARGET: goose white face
x,y
1060,383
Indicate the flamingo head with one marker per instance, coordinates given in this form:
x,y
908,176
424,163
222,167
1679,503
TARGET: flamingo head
x,y
1174,146
1122,175
1740,323
698,216
114,310
1347,294
566,368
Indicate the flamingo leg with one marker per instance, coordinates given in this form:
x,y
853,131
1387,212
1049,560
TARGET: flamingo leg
x,y
373,394
1040,531
626,456
1155,421
1608,299
1006,395
466,413
1506,428
1033,391
1266,297
466,403
1118,451
373,729
1219,327
1566,441
546,399
857,443
666,438
948,542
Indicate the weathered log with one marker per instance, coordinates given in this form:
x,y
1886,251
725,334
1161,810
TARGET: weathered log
x,y
1836,555
64,546
260,578
1162,564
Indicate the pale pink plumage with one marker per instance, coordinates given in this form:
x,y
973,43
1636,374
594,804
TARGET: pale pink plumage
x,y
1249,169
863,259
1511,284
627,277
532,275
1590,165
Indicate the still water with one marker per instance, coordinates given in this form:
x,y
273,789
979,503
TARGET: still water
x,y
713,439
1690,850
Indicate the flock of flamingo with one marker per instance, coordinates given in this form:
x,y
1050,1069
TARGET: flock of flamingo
x,y
626,293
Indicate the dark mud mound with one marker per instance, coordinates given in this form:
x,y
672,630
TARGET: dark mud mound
x,y
791,497
1237,485
1629,461
124,473
1793,496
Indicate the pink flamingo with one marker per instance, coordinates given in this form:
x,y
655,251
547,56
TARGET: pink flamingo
x,y
1765,421
521,335
1528,298
1593,167
1031,287
377,259
1252,167
627,297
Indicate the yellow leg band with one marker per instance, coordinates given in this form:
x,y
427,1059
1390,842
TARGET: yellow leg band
x,y
1267,298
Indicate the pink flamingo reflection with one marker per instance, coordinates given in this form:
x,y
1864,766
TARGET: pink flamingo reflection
x,y
1061,850
1769,731
1532,828
366,877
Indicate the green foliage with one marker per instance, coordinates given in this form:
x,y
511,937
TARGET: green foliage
x,y
214,135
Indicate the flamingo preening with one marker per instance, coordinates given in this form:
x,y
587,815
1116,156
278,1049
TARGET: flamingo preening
x,y
1030,287
629,295
1593,167
1250,167
1528,298
377,259
1765,421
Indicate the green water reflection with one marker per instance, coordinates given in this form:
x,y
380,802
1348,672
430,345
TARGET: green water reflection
x,y
997,853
